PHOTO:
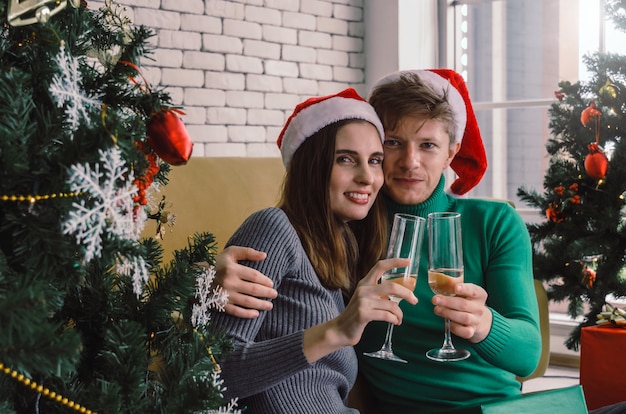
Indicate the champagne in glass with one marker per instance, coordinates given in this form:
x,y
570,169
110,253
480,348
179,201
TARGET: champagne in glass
x,y
401,278
445,271
405,242
443,281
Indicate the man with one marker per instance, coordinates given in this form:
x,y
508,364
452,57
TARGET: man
x,y
430,125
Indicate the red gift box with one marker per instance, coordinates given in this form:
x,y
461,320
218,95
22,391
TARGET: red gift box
x,y
603,365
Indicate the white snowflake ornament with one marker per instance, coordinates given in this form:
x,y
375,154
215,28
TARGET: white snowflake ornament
x,y
207,297
66,89
107,205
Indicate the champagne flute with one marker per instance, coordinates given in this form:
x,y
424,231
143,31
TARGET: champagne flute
x,y
405,242
445,271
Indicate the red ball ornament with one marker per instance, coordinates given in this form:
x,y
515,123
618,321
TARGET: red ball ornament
x,y
168,137
596,162
590,114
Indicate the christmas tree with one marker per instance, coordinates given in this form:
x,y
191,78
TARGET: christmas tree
x,y
580,249
91,319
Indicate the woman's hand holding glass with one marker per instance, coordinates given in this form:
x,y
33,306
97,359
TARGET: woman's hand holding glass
x,y
369,302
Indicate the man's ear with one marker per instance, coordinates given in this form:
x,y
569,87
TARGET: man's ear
x,y
454,149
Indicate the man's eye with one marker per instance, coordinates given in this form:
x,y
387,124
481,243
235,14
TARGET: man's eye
x,y
391,143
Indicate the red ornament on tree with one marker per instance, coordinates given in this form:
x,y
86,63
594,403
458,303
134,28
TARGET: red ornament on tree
x,y
166,132
168,137
596,162
554,213
144,181
559,95
590,114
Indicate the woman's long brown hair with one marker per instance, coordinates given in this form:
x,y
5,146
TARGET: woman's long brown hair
x,y
329,243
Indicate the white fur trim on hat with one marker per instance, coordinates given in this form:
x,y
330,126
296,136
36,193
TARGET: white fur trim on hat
x,y
316,113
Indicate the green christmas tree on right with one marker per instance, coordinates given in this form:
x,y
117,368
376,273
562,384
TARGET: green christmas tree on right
x,y
580,249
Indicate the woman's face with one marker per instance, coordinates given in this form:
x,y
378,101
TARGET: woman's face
x,y
357,173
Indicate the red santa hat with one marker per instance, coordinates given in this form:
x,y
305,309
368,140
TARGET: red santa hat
x,y
315,113
470,163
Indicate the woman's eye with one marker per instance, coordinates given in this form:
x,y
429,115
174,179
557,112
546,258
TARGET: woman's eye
x,y
376,161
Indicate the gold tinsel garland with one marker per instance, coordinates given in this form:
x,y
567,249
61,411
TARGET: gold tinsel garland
x,y
44,391
34,198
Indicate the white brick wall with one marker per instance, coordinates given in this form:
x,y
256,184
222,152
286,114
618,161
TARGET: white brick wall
x,y
237,68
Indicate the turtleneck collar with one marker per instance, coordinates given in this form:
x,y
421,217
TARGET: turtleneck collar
x,y
438,201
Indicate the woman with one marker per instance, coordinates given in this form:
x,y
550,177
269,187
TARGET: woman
x,y
298,358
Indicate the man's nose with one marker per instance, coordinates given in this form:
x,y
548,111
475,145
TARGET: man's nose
x,y
410,157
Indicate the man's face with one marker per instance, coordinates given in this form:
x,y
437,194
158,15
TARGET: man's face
x,y
416,153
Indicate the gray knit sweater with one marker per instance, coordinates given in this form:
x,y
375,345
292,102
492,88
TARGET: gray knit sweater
x,y
268,370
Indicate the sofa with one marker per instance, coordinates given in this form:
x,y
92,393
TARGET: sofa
x,y
216,195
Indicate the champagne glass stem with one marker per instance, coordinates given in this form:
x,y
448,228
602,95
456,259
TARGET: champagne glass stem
x,y
447,352
447,337
385,351
387,345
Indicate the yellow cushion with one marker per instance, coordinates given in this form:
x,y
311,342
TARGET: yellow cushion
x,y
216,195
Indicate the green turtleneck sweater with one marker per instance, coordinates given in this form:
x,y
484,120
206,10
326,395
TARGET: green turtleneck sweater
x,y
497,256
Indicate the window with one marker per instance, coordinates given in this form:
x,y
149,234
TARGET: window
x,y
513,55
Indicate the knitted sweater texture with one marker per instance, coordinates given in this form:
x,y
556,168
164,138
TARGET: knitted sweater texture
x,y
498,257
267,369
